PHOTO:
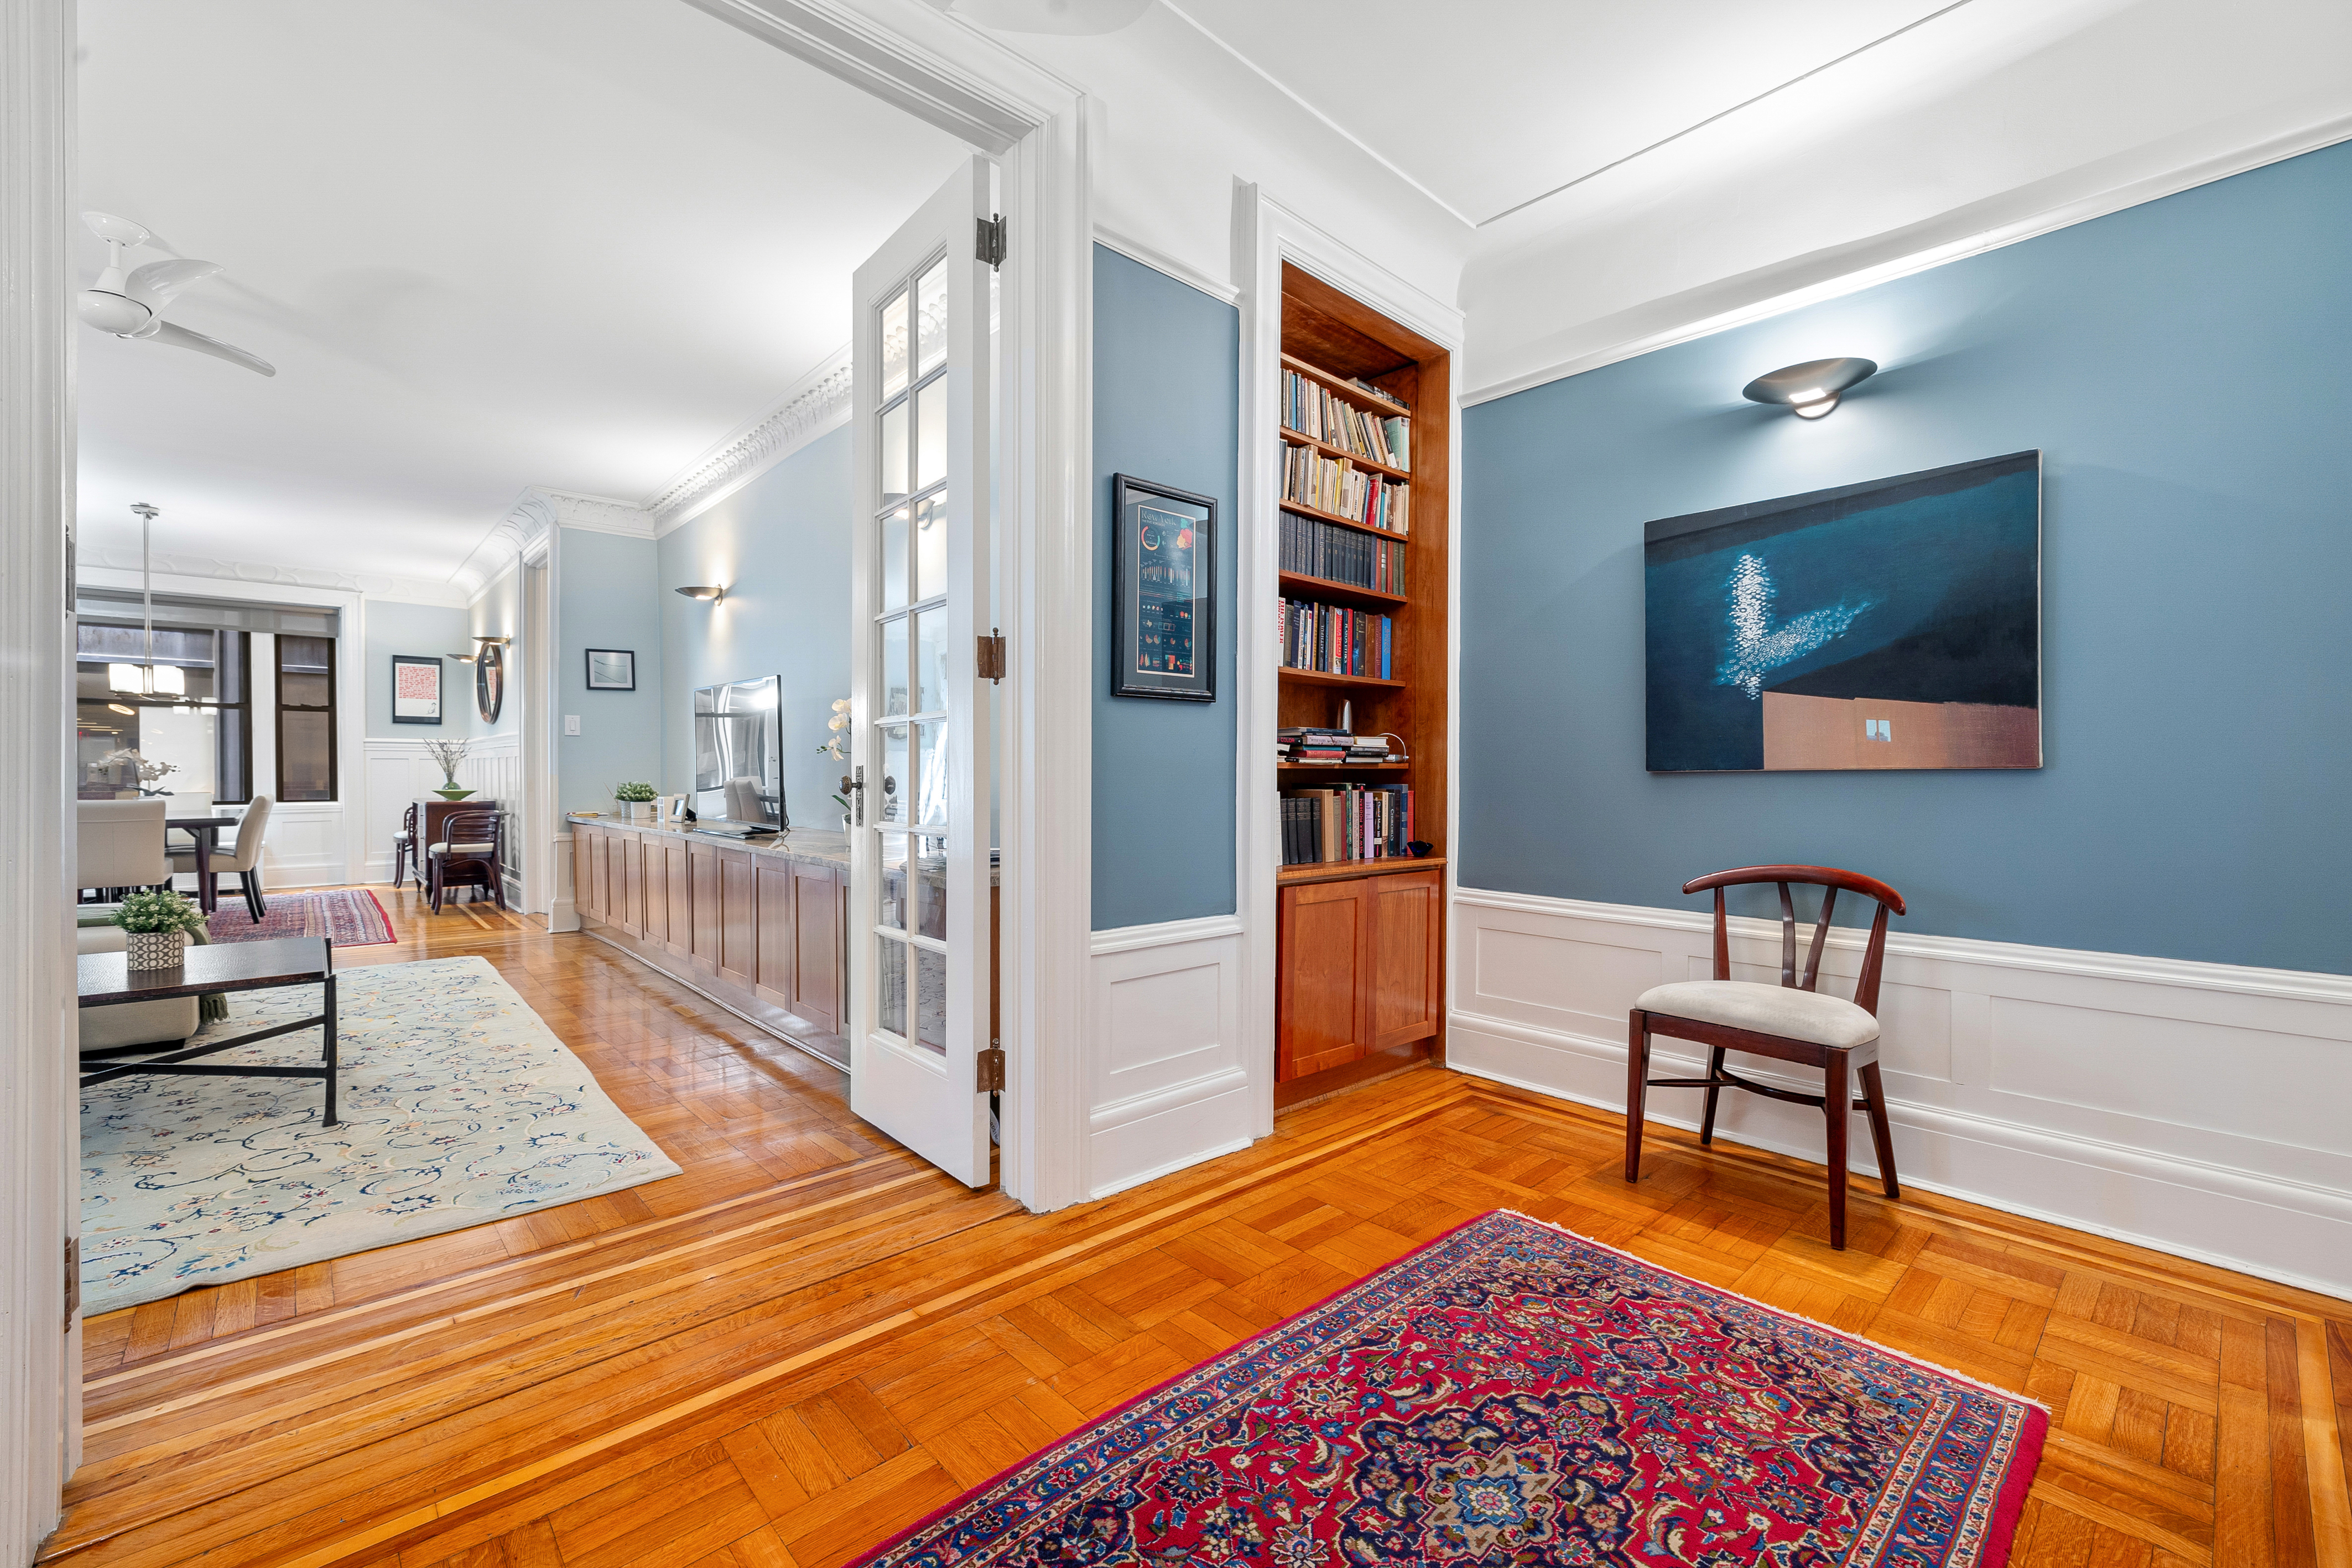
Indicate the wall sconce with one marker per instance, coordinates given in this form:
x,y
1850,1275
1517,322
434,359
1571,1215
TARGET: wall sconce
x,y
1810,389
707,593
461,658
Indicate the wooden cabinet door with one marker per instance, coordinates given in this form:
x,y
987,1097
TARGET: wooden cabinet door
x,y
588,871
678,892
702,868
621,881
1405,977
771,894
816,945
739,919
1325,940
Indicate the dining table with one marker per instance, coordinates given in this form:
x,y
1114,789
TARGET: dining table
x,y
202,830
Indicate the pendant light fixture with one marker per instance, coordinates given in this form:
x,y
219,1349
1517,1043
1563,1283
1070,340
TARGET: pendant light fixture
x,y
148,679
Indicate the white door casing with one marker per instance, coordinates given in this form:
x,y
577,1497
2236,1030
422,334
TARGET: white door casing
x,y
920,970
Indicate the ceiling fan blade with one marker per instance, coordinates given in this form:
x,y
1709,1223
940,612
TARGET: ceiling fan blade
x,y
158,283
167,332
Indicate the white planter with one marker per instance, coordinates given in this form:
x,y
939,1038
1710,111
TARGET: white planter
x,y
640,810
155,949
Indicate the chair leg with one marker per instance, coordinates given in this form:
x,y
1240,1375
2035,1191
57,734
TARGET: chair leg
x,y
1837,1109
1881,1136
434,880
249,883
1637,1085
498,889
1707,1117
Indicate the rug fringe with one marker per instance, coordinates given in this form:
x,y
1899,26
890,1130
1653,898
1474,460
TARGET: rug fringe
x,y
1846,1334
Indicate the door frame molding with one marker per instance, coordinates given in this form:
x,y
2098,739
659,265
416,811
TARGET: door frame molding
x,y
1265,235
951,74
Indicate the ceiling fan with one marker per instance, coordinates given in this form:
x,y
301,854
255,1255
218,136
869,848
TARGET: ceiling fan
x,y
132,304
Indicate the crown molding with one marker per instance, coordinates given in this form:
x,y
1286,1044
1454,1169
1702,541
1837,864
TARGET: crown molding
x,y
598,514
369,585
521,534
812,406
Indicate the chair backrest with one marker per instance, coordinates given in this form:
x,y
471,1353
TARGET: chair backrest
x,y
473,827
744,799
120,844
1829,879
249,832
408,821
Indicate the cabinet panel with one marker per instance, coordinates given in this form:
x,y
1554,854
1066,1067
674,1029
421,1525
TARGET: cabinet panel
x,y
678,891
588,871
771,897
739,918
1324,937
623,882
1405,976
816,945
702,866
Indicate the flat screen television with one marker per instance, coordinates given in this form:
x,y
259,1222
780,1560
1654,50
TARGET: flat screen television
x,y
739,766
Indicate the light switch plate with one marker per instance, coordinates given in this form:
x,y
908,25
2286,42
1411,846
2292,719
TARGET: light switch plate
x,y
571,724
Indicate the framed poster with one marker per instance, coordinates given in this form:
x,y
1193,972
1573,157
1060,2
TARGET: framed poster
x,y
611,669
489,681
1893,625
1163,592
416,689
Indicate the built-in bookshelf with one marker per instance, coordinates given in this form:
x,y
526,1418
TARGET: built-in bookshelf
x,y
1362,578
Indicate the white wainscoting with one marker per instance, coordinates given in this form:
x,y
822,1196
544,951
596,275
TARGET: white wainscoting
x,y
303,846
400,771
1167,1086
2195,1108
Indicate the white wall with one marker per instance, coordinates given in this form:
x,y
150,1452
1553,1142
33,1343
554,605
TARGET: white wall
x,y
1169,1080
2150,1100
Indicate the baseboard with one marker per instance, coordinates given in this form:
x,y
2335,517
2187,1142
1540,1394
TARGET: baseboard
x,y
2101,1091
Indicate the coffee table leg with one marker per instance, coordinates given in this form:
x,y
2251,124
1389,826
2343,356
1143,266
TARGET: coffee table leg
x,y
328,986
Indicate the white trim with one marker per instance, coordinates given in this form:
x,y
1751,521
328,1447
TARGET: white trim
x,y
246,573
1161,261
815,406
599,514
1167,933
1138,1178
1980,227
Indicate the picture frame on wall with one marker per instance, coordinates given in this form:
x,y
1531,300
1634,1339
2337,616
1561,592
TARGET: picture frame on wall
x,y
1163,592
611,669
416,689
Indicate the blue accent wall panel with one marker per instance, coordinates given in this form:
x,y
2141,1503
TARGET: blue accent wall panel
x,y
605,598
1167,407
2185,368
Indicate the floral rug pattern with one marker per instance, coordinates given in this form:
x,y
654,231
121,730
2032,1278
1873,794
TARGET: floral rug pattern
x,y
458,1107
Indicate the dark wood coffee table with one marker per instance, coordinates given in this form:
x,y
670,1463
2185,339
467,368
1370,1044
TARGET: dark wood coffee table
x,y
107,980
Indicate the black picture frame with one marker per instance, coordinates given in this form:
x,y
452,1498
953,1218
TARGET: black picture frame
x,y
1163,606
588,669
432,662
489,681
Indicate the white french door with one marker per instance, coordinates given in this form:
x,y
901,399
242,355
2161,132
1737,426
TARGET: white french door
x,y
919,964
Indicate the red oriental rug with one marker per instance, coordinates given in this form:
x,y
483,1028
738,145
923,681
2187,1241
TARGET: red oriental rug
x,y
352,916
1512,1394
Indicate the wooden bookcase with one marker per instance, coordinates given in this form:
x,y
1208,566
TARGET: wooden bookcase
x,y
1361,944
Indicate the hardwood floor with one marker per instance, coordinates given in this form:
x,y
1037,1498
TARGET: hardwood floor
x,y
809,1339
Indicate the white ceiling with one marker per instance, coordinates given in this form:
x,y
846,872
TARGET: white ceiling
x,y
566,243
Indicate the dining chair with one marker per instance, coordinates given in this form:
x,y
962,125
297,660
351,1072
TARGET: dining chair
x,y
244,859
404,848
468,856
1791,1021
118,845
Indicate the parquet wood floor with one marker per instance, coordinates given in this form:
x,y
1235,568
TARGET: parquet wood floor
x,y
809,1340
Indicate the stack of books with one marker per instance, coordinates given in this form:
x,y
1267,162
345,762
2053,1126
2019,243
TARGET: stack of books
x,y
1336,486
1307,408
1313,548
1349,823
1336,640
1299,744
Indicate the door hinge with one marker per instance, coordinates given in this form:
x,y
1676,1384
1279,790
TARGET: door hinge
x,y
990,246
991,655
854,786
73,1277
992,1069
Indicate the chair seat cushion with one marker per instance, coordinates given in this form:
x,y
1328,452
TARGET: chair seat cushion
x,y
400,838
482,848
1767,1009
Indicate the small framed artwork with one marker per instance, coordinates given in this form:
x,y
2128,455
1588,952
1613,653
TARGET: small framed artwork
x,y
611,670
416,689
1163,592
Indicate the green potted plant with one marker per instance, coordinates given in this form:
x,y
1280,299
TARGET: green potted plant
x,y
157,926
636,800
449,754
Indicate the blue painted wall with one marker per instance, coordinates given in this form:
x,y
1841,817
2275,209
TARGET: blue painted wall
x,y
424,629
605,597
1167,408
781,547
2186,369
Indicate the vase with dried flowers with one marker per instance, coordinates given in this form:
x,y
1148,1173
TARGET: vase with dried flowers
x,y
450,754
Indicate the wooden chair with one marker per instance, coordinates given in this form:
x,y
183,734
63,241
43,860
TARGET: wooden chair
x,y
468,856
405,851
1791,1021
244,860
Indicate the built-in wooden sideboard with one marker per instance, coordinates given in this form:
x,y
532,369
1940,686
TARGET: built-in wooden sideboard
x,y
758,926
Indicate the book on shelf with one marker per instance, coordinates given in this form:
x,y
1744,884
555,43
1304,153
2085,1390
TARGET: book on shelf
x,y
1301,743
1337,485
1345,822
1324,416
1334,640
1313,548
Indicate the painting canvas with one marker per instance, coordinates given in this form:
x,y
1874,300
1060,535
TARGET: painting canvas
x,y
1890,624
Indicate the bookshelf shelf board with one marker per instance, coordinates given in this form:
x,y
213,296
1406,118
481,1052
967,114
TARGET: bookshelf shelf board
x,y
1298,585
1318,678
1361,526
1358,458
1346,388
1298,770
1339,871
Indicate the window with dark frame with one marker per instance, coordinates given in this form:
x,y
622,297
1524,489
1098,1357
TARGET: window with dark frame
x,y
233,729
306,718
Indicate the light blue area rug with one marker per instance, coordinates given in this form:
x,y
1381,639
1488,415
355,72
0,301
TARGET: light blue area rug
x,y
458,1107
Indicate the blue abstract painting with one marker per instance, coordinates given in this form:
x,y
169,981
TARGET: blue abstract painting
x,y
1890,624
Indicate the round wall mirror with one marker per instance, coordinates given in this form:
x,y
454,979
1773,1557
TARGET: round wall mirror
x,y
489,681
